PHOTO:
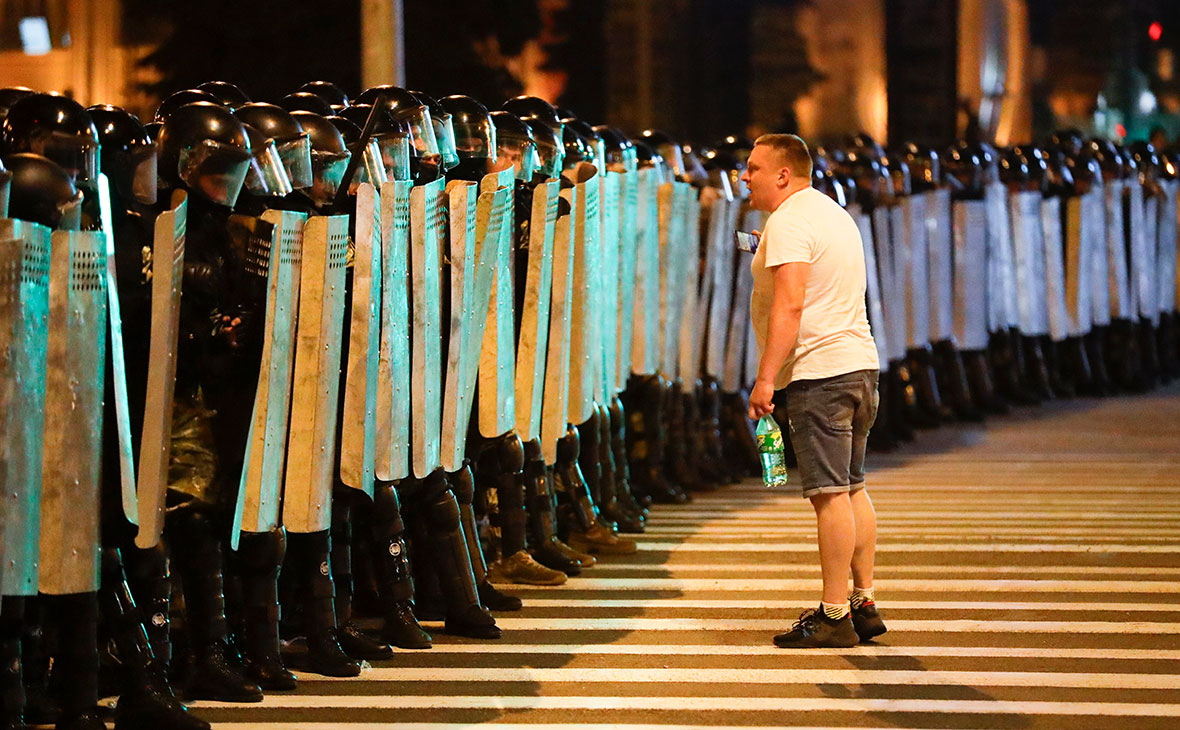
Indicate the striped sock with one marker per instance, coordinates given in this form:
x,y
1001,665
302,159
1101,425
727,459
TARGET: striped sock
x,y
861,596
835,611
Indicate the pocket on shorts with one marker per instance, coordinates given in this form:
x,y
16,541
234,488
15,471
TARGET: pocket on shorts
x,y
840,403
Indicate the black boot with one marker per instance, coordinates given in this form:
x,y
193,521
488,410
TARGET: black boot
x,y
1036,367
74,678
610,505
259,558
355,642
881,437
1060,380
1149,375
146,700
309,558
1007,363
12,689
462,485
391,566
920,363
1166,343
216,672
709,407
1122,355
618,443
951,375
151,584
979,382
678,465
502,464
1095,343
588,532
899,425
1076,366
645,406
542,517
465,615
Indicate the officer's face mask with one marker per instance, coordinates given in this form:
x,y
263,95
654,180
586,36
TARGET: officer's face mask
x,y
444,134
328,170
217,171
143,165
296,156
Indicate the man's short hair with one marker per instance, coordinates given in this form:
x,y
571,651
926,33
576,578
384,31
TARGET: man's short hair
x,y
794,152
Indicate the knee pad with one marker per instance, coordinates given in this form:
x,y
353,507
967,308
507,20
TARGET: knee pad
x,y
442,513
532,450
386,517
430,488
569,445
262,552
510,452
462,484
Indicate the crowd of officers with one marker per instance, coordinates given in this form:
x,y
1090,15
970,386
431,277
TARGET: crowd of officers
x,y
302,374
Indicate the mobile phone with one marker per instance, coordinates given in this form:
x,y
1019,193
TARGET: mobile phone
x,y
746,241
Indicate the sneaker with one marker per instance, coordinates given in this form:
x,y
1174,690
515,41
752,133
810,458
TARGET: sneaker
x,y
867,621
815,630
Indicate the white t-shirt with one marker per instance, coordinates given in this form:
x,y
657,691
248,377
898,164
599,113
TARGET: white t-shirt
x,y
834,336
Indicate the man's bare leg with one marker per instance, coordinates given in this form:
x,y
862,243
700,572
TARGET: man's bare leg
x,y
866,540
836,526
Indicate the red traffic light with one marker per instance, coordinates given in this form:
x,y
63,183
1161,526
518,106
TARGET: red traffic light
x,y
1154,31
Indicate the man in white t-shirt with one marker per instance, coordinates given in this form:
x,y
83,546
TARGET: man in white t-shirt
x,y
808,311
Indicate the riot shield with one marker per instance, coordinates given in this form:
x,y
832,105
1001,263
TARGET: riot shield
x,y
585,335
24,318
1081,233
1141,236
118,362
940,264
358,441
1169,213
887,229
609,281
393,405
259,495
311,441
693,314
72,455
533,344
872,285
913,251
427,221
476,224
970,306
628,259
554,411
723,215
672,201
1003,311
1028,247
1118,286
497,356
1054,258
738,339
1099,262
645,341
155,444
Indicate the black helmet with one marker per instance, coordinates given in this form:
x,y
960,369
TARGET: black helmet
x,y
329,155
204,148
899,174
1068,140
305,101
292,142
619,150
515,145
42,192
1014,169
268,176
532,107
227,93
550,147
474,132
11,95
597,145
925,170
444,131
737,145
964,171
58,128
128,154
174,101
663,143
409,109
373,168
865,141
1148,162
577,148
329,92
648,157
390,140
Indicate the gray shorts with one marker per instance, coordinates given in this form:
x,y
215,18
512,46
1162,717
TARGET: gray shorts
x,y
829,421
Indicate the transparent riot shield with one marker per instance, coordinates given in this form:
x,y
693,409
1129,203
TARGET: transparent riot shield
x,y
693,312
156,436
427,234
723,219
873,306
940,264
611,238
1003,311
887,229
912,252
1054,258
497,356
311,441
1142,222
533,345
1028,247
628,266
393,383
555,410
1118,289
1169,213
738,339
585,334
72,455
645,340
971,303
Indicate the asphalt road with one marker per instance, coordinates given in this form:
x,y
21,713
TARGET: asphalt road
x,y
1029,572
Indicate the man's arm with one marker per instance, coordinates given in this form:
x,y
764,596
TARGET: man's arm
x,y
790,283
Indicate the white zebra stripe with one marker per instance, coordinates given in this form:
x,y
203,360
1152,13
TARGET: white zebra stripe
x,y
937,626
763,649
917,585
813,567
597,602
677,546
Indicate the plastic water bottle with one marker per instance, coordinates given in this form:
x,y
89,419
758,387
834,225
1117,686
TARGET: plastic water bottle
x,y
770,448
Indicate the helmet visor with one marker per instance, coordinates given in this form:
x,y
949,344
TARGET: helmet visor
x,y
673,159
521,154
69,214
328,170
421,131
476,139
267,175
296,156
444,133
5,186
373,170
394,154
77,156
144,174
215,170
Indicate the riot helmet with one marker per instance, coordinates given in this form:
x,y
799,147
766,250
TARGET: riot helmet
x,y
11,95
899,174
174,101
825,181
42,192
648,157
1014,169
964,170
873,184
372,167
738,145
1085,172
444,131
694,171
865,141
515,145
228,94
329,156
577,148
128,154
56,127
535,108
305,101
390,138
1107,155
407,109
473,130
1058,174
267,177
925,170
663,143
329,92
1068,141
292,142
1037,165
550,147
204,148
1148,163
597,145
620,152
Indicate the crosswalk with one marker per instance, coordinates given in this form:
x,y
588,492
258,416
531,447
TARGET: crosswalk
x,y
1029,572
